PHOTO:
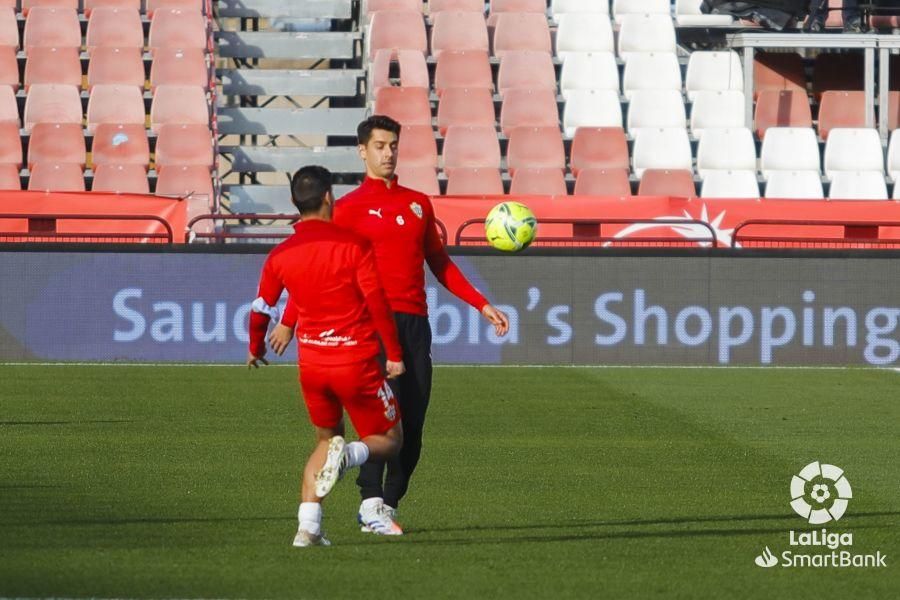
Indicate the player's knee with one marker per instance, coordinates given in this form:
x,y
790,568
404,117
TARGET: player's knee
x,y
395,439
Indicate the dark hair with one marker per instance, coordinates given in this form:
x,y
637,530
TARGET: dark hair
x,y
308,188
364,130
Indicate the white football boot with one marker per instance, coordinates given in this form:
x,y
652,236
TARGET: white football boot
x,y
334,467
305,539
378,519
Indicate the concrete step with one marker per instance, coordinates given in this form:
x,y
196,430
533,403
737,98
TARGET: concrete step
x,y
304,9
290,121
268,198
287,82
306,45
248,159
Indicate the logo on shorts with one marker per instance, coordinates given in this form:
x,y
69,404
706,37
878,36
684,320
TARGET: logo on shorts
x,y
386,395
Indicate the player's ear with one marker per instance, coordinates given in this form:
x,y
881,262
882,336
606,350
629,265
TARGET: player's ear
x,y
361,148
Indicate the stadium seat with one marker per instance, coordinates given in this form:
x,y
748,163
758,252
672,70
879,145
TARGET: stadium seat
x,y
893,158
454,31
53,65
783,108
187,5
27,5
9,68
656,109
667,182
651,71
521,31
583,32
461,106
858,185
114,28
580,7
716,110
730,184
517,6
797,185
408,106
182,181
603,148
417,147
463,69
713,71
843,72
189,145
622,8
180,104
529,70
110,103
10,144
9,178
90,5
726,150
853,150
646,33
120,144
776,71
471,147
421,179
122,66
661,149
9,109
176,28
589,71
56,177
528,108
474,181
9,27
53,27
397,31
437,6
121,179
841,109
789,149
51,103
539,182
56,143
591,108
375,6
410,63
687,14
602,182
535,148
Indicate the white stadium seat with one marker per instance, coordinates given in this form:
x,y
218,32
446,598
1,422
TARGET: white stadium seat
x,y
589,71
622,8
893,163
789,149
797,185
646,33
591,108
713,71
853,150
716,110
561,7
726,149
590,32
661,149
651,71
858,185
656,109
730,184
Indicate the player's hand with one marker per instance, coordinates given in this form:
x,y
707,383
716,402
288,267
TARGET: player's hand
x,y
395,369
253,362
280,338
497,318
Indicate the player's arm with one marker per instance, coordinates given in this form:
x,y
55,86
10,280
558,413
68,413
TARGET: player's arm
x,y
446,271
262,310
376,302
281,336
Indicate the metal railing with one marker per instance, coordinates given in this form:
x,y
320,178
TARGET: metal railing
x,y
42,228
857,234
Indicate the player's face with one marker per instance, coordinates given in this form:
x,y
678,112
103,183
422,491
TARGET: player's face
x,y
380,154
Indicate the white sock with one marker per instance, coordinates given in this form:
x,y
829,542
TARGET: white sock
x,y
310,517
371,503
357,454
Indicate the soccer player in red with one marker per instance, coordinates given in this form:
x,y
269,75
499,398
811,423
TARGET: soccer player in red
x,y
341,312
400,224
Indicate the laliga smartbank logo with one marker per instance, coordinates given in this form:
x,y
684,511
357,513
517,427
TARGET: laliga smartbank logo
x,y
820,494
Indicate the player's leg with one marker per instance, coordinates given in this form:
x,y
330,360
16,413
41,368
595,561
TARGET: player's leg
x,y
309,515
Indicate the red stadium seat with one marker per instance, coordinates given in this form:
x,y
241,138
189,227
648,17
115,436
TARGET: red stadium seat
x,y
521,31
50,103
176,28
114,28
56,177
53,65
460,106
436,6
182,181
776,71
539,182
518,6
90,5
122,66
408,106
783,108
9,109
463,69
841,109
421,179
417,147
528,70
10,144
599,148
177,66
119,144
455,31
188,145
178,104
535,148
121,179
9,27
187,5
471,147
844,72
56,143
9,68
602,182
410,63
397,31
52,27
663,182
528,108
9,178
27,5
115,104
474,182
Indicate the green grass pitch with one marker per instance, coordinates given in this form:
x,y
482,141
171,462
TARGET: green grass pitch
x,y
181,482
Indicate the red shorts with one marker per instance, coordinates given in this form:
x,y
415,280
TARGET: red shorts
x,y
359,388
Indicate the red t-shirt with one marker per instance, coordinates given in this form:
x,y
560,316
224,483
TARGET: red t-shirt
x,y
334,288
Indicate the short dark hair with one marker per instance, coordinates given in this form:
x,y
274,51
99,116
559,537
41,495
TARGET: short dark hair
x,y
364,130
308,188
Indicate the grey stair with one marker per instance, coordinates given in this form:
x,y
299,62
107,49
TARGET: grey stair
x,y
265,44
303,9
290,121
287,82
268,198
247,159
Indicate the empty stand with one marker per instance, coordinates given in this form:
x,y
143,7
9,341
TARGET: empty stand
x,y
9,109
436,6
799,185
622,8
397,31
56,177
421,179
408,106
120,144
730,184
410,63
599,148
461,106
713,71
589,71
651,71
838,72
52,27
841,109
9,68
656,109
417,147
463,69
716,110
783,108
471,147
858,185
474,181
10,144
90,5
28,5
121,66
528,108
591,108
110,103
52,103
181,181
188,145
521,31
114,28
9,28
178,104
517,6
535,148
667,182
789,149
893,158
56,143
454,31
530,70
9,177
562,7
646,33
726,149
661,149
776,71
853,150
53,65
539,182
121,179
583,32
602,182
177,28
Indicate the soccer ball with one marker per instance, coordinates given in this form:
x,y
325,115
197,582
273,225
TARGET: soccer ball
x,y
510,226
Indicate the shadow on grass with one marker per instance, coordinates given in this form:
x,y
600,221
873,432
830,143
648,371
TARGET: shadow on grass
x,y
87,422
